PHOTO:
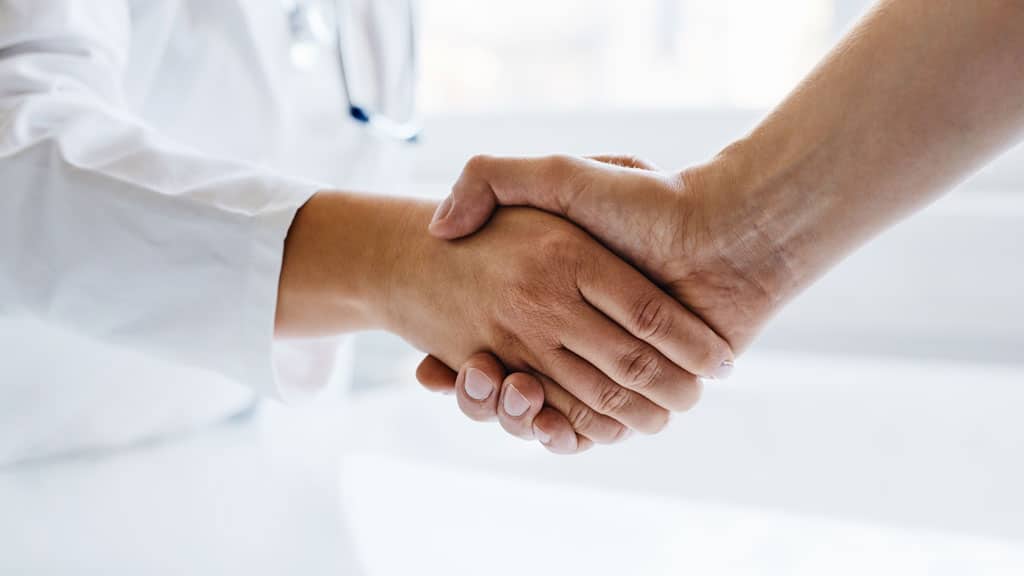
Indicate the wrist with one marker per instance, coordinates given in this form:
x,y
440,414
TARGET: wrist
x,y
342,260
405,260
759,221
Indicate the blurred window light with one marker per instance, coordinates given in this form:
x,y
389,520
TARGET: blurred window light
x,y
599,54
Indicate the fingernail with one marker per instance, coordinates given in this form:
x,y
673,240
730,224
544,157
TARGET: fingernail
x,y
515,403
442,211
541,435
724,371
478,385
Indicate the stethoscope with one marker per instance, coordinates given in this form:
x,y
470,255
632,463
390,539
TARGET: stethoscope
x,y
309,28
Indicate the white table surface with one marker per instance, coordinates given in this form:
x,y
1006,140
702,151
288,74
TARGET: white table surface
x,y
799,465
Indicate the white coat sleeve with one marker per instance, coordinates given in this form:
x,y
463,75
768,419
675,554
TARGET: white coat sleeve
x,y
111,230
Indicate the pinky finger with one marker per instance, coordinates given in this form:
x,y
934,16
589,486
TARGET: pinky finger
x,y
436,376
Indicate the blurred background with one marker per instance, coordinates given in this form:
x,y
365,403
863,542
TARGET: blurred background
x,y
611,54
875,428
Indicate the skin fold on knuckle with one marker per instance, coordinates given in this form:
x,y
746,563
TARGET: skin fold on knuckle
x,y
577,183
613,400
651,319
641,370
582,419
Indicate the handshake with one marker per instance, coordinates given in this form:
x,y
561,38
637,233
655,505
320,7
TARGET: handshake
x,y
602,307
599,301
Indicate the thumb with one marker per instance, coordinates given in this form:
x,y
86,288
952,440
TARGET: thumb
x,y
624,161
467,208
436,376
486,182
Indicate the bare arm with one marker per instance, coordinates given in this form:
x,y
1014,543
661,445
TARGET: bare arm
x,y
919,95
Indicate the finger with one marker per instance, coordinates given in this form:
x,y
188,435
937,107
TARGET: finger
x,y
547,183
469,205
631,362
583,444
624,161
580,417
633,302
603,396
552,427
436,376
521,399
553,431
476,387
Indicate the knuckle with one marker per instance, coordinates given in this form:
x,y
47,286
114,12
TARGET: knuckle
x,y
568,170
652,320
642,163
558,244
562,164
640,368
505,340
613,400
581,418
476,163
560,261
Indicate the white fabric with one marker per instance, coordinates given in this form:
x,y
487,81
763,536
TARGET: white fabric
x,y
144,200
254,498
141,234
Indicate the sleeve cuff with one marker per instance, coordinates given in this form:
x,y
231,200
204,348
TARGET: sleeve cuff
x,y
289,371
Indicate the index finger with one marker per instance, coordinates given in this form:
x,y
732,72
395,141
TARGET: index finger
x,y
635,303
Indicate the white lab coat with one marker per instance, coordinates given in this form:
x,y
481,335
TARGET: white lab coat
x,y
144,200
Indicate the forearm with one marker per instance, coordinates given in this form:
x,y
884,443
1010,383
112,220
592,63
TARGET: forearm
x,y
340,263
918,96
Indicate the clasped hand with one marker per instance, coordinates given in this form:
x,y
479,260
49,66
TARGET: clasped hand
x,y
595,348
